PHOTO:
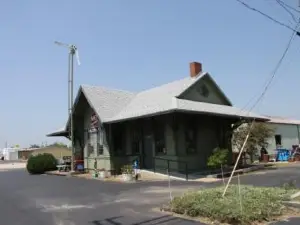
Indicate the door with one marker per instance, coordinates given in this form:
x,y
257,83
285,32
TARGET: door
x,y
148,152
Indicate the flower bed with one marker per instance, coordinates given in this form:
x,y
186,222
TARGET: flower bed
x,y
256,204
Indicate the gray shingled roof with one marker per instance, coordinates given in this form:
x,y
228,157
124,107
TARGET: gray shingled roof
x,y
116,105
58,133
224,110
107,102
283,120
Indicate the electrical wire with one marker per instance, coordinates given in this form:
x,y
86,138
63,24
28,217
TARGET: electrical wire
x,y
288,6
287,10
274,72
267,16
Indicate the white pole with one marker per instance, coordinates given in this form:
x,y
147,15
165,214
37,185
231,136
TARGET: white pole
x,y
222,174
240,196
171,198
238,158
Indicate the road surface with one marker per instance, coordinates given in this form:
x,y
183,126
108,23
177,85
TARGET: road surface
x,y
52,200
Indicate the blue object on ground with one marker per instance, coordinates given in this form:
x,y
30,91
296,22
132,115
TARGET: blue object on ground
x,y
135,164
283,155
79,167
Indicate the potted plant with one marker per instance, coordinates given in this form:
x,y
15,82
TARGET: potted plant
x,y
102,173
127,173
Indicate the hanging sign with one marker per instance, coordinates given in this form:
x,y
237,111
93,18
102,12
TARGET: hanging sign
x,y
94,122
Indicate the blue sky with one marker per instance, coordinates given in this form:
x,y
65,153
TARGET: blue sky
x,y
134,45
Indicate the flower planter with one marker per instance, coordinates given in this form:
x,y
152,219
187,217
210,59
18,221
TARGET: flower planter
x,y
95,175
102,174
127,177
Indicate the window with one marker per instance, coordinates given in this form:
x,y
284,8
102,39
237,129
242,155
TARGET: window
x,y
90,149
190,137
159,137
278,139
118,140
92,141
136,140
100,141
99,149
203,90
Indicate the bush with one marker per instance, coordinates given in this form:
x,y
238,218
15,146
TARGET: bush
x,y
127,169
218,158
41,163
258,204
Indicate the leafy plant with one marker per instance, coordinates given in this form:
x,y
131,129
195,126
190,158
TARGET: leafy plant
x,y
38,164
258,138
258,204
218,158
127,169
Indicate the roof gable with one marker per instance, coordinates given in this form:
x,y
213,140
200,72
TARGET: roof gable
x,y
154,100
113,105
205,89
106,102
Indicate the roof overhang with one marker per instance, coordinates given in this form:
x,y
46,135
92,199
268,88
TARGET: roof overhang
x,y
238,117
59,133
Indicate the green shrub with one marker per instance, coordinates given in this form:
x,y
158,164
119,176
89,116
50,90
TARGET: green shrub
x,y
38,164
127,169
255,204
218,158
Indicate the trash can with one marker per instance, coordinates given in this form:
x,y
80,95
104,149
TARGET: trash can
x,y
266,158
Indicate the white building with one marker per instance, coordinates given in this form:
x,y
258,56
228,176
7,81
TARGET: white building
x,y
10,153
286,133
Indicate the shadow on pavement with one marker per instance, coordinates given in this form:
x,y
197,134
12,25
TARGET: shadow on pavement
x,y
155,221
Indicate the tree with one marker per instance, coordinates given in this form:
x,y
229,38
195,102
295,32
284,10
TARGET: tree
x,y
258,138
57,144
34,146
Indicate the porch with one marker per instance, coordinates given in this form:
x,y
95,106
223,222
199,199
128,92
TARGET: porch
x,y
179,141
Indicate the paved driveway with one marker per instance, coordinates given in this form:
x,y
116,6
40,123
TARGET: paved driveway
x,y
51,200
273,177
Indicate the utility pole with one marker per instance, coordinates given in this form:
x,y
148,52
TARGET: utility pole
x,y
71,84
72,51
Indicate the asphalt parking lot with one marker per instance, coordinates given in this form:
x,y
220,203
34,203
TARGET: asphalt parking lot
x,y
52,200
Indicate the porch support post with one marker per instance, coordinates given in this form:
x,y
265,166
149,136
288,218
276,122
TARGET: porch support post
x,y
110,140
128,149
175,134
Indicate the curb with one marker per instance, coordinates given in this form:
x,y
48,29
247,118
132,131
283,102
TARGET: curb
x,y
293,204
240,171
295,195
56,174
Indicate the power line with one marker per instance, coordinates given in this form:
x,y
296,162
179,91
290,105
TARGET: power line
x,y
288,6
287,10
259,99
273,74
269,17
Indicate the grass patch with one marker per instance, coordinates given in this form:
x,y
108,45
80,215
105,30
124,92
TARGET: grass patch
x,y
256,204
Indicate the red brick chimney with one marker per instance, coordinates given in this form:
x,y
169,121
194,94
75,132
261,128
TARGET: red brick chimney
x,y
195,69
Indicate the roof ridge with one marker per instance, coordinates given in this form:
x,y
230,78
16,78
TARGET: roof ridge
x,y
149,89
107,88
173,82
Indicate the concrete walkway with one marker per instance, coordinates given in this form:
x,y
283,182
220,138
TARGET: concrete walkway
x,y
6,165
